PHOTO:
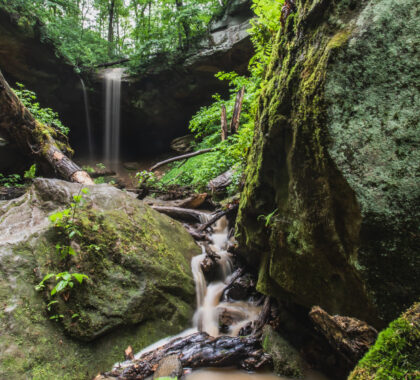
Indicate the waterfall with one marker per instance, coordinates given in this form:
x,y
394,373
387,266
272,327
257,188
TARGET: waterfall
x,y
87,115
112,115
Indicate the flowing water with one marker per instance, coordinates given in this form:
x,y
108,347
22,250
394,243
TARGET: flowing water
x,y
112,79
209,308
88,121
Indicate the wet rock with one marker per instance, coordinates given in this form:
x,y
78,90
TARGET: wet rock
x,y
170,366
140,285
241,289
182,144
247,329
350,337
287,361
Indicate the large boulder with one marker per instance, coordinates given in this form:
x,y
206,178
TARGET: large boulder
x,y
330,208
140,286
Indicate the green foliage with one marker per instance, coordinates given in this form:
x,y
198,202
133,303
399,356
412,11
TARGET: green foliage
x,y
141,29
30,173
268,219
65,224
16,180
205,125
44,115
146,178
12,180
263,30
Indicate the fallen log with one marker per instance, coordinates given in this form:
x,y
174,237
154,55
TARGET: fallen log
x,y
34,139
184,214
113,63
349,337
219,184
216,216
188,155
198,350
199,236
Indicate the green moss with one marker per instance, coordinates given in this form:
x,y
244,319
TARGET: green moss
x,y
396,353
311,253
140,288
286,359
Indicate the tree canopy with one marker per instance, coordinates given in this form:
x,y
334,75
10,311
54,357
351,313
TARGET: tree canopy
x,y
89,32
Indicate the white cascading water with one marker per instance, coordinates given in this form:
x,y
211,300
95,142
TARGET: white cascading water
x,y
209,307
112,78
208,296
87,117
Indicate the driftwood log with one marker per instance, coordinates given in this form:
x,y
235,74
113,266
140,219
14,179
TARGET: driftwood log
x,y
349,337
198,350
34,139
216,216
184,214
177,158
219,184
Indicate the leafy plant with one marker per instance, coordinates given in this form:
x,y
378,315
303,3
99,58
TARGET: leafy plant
x,y
31,173
64,281
12,180
16,180
268,219
231,153
145,177
65,223
44,115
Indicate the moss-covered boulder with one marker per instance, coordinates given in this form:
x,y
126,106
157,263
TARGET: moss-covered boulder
x,y
335,161
140,286
286,360
396,353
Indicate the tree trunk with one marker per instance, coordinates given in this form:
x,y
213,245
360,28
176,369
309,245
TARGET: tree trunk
x,y
34,139
224,123
197,351
111,11
185,26
234,125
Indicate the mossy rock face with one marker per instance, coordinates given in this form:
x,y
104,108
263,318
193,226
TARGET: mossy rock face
x,y
396,353
335,155
140,286
287,361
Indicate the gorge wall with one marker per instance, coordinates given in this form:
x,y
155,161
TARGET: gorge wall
x,y
335,161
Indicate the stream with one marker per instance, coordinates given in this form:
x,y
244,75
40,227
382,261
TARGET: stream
x,y
209,308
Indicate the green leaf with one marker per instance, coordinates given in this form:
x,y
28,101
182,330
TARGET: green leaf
x,y
80,277
72,252
59,287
